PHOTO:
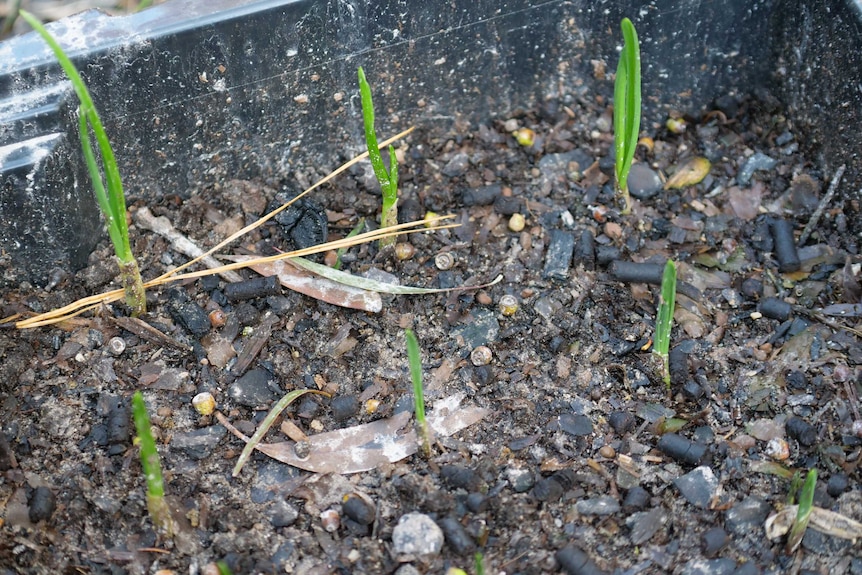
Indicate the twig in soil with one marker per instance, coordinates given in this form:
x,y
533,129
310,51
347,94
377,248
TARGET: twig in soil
x,y
254,345
147,332
821,207
162,226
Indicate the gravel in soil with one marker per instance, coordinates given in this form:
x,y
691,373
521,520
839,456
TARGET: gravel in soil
x,y
585,462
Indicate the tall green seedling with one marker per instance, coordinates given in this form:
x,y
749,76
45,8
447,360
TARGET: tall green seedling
x,y
157,505
388,178
664,321
113,201
627,109
418,393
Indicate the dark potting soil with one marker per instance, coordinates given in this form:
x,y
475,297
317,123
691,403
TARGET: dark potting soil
x,y
584,462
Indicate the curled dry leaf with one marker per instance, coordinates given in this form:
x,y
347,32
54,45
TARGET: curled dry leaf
x,y
822,520
312,285
689,174
364,447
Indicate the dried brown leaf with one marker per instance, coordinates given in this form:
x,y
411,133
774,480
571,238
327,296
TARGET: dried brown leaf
x,y
364,447
315,286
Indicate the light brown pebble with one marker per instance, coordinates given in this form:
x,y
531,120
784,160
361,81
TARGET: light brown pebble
x,y
607,452
330,257
483,298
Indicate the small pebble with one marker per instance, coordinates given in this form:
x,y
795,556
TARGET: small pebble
x,y
456,536
358,509
698,486
602,505
636,498
477,502
254,389
777,449
607,452
837,484
558,256
714,540
574,561
621,421
404,251
520,478
758,161
42,504
344,407
644,182
417,534
801,431
747,515
457,165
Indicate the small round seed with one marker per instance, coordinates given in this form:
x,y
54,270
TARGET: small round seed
x,y
371,406
404,251
517,222
444,261
525,136
481,355
508,305
218,318
204,403
607,452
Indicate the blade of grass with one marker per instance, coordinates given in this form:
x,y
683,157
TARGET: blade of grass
x,y
415,363
667,301
156,504
113,202
388,179
340,252
806,501
627,109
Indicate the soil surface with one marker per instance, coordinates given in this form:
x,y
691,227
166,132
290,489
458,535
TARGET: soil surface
x,y
583,461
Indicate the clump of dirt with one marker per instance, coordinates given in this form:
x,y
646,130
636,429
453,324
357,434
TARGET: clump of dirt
x,y
585,461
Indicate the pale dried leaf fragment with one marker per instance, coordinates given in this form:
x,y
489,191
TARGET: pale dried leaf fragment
x,y
312,285
689,174
822,520
366,446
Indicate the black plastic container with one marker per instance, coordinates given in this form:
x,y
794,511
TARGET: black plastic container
x,y
193,92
